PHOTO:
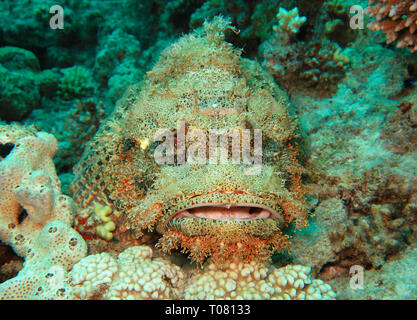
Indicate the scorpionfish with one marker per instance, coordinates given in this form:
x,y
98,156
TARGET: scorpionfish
x,y
209,210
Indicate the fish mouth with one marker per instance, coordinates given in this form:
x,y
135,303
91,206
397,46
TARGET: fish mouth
x,y
221,219
224,207
238,212
224,210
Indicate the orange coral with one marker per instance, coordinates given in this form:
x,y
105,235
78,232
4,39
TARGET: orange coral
x,y
397,19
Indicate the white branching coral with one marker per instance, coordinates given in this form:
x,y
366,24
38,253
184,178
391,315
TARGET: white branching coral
x,y
289,21
257,282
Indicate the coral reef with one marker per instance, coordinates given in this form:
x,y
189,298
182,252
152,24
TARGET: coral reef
x,y
397,19
334,22
104,230
319,65
256,282
19,92
10,264
254,19
35,218
202,81
30,188
362,167
316,66
135,275
44,275
354,95
81,124
76,82
394,281
314,246
117,64
49,81
289,22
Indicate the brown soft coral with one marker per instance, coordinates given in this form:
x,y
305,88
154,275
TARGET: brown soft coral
x,y
397,19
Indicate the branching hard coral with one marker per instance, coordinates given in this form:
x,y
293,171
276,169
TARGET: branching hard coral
x,y
315,66
77,82
252,281
289,21
397,19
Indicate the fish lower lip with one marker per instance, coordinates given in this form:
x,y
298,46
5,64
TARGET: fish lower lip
x,y
226,212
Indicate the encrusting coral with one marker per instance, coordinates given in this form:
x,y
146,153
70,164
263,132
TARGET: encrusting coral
x,y
35,218
397,19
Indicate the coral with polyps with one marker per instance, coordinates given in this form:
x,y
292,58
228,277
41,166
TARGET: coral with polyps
x,y
136,274
253,281
35,218
397,19
30,189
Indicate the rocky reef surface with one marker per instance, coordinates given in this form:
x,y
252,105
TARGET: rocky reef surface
x,y
354,93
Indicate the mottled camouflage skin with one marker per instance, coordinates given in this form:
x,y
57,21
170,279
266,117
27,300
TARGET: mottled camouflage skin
x,y
202,81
